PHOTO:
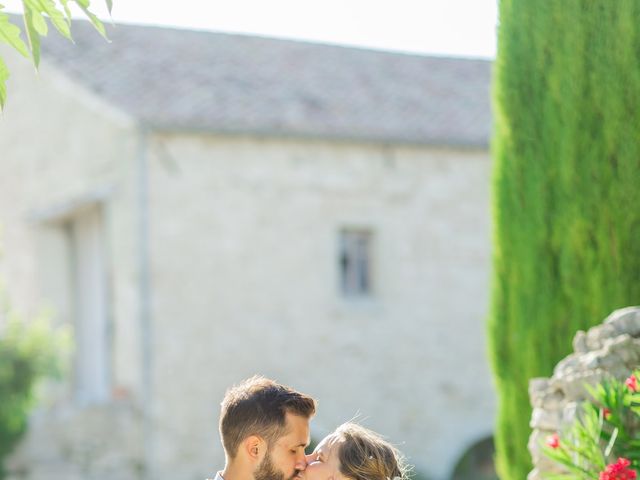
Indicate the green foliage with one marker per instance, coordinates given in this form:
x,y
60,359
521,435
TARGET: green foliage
x,y
605,431
35,26
28,352
566,202
579,449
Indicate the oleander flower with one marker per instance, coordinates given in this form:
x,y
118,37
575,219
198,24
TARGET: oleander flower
x,y
553,441
632,383
618,471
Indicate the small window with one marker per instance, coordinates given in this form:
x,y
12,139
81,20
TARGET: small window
x,y
355,263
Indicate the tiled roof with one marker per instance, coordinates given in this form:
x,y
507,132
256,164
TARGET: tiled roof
x,y
192,80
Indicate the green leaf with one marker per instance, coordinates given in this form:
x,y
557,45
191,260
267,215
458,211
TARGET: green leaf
x,y
607,450
67,11
109,6
36,20
33,35
10,33
34,17
4,75
84,6
560,476
49,8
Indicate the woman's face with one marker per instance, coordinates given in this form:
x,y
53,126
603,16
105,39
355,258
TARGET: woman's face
x,y
323,463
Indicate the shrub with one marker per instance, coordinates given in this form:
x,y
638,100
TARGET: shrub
x,y
28,352
603,443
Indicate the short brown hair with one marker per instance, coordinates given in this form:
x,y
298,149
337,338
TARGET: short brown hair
x,y
365,455
258,406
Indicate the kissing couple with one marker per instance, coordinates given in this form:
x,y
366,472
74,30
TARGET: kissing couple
x,y
264,428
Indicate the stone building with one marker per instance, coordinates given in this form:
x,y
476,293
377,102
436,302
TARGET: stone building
x,y
201,207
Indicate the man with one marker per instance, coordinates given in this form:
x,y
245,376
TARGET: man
x,y
264,428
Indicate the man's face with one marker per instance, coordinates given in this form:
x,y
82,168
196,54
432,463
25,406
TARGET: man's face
x,y
285,459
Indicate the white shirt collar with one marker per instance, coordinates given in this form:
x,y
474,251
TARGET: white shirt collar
x,y
218,476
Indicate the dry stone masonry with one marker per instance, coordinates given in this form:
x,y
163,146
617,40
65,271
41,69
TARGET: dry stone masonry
x,y
94,442
611,349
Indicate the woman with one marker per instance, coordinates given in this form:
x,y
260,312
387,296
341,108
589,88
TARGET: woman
x,y
354,453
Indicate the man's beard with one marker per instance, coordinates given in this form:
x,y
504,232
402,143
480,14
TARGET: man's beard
x,y
267,471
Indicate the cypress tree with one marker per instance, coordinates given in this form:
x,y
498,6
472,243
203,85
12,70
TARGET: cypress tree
x,y
566,191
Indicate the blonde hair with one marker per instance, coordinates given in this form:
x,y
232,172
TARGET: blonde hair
x,y
364,455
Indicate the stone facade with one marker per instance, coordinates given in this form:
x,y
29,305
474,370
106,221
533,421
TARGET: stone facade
x,y
254,210
242,241
99,442
611,349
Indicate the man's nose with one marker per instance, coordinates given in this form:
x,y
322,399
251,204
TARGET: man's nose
x,y
301,462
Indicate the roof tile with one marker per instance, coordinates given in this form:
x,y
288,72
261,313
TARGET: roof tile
x,y
181,79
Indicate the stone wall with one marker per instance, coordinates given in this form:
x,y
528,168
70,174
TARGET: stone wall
x,y
99,442
244,241
611,349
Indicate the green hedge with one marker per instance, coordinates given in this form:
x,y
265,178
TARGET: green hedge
x,y
566,191
28,351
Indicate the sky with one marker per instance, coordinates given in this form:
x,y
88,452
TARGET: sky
x,y
435,27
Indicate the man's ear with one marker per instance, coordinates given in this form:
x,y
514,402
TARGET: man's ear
x,y
255,448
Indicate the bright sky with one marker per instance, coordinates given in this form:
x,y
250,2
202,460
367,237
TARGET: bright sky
x,y
440,27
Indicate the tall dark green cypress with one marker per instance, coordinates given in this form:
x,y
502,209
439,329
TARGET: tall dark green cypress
x,y
566,191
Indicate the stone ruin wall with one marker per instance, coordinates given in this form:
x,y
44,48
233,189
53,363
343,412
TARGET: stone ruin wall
x,y
98,443
609,349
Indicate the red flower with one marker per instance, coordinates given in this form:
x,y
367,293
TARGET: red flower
x,y
632,383
606,413
553,441
618,471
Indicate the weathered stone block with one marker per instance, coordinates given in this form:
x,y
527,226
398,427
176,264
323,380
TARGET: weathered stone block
x,y
625,320
538,390
580,342
545,419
